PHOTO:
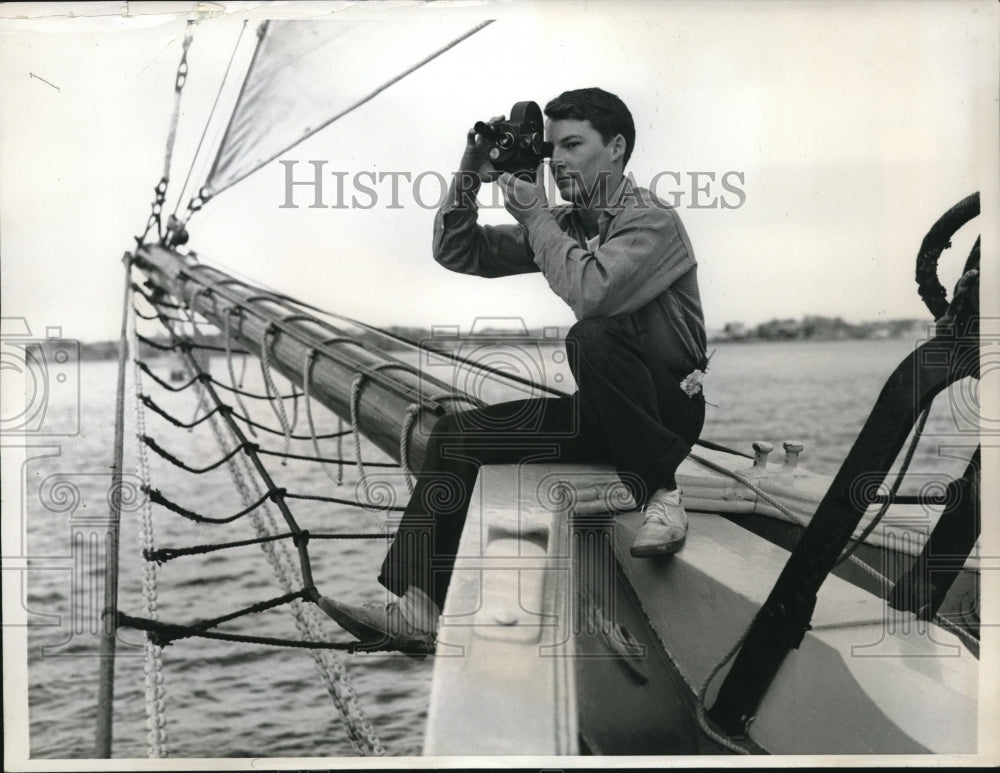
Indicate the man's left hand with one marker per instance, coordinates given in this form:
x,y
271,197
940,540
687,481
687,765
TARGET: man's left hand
x,y
524,199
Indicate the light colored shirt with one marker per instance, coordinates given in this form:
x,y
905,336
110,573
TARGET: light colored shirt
x,y
642,267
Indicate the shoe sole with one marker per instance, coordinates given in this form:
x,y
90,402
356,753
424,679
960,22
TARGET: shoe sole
x,y
371,638
652,551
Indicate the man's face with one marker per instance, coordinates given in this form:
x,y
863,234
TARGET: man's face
x,y
580,159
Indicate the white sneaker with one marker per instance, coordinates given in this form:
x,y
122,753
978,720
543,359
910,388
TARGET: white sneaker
x,y
404,625
665,527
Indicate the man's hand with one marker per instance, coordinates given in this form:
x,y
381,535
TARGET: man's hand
x,y
524,199
475,160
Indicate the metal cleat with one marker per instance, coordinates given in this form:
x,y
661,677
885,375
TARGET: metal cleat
x,y
761,449
792,450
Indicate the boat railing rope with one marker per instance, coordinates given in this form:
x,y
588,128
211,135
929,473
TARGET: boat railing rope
x,y
184,345
157,498
150,403
160,316
330,668
165,633
251,447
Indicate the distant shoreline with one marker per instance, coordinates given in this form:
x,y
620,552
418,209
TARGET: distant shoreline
x,y
810,328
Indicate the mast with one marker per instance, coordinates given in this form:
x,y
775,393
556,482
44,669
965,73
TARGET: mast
x,y
109,628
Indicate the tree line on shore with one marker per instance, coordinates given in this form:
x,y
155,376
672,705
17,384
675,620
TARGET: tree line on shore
x,y
816,328
809,328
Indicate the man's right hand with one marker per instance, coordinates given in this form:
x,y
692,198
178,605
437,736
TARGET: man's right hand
x,y
475,159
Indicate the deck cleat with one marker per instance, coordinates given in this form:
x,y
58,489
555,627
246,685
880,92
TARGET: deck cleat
x,y
792,450
761,450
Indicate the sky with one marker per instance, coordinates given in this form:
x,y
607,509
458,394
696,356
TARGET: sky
x,y
843,131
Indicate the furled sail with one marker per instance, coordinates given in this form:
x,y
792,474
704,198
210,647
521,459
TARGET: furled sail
x,y
306,74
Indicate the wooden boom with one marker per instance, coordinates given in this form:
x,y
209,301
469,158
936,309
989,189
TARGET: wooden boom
x,y
274,328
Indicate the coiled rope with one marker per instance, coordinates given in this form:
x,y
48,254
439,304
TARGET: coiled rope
x,y
232,372
356,385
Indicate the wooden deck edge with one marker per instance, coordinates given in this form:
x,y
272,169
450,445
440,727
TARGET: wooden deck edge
x,y
503,678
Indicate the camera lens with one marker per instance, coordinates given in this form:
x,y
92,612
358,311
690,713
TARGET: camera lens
x,y
506,141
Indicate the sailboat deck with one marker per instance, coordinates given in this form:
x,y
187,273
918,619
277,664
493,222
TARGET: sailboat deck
x,y
866,679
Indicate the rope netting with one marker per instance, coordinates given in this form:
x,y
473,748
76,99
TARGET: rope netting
x,y
265,501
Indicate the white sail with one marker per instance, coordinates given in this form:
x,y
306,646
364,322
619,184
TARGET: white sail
x,y
306,74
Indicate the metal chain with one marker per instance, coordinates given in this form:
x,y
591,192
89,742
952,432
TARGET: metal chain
x,y
161,187
156,720
331,669
156,208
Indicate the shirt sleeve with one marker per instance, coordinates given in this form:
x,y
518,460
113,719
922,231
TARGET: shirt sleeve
x,y
644,253
462,245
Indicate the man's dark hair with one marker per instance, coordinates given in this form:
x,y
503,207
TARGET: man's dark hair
x,y
605,111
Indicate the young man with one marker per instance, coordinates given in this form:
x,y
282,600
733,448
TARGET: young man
x,y
623,262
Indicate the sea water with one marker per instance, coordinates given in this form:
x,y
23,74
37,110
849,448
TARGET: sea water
x,y
245,700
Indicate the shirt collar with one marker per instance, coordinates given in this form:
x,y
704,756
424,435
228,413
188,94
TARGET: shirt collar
x,y
624,191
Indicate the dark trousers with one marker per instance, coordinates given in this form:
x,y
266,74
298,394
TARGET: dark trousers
x,y
627,411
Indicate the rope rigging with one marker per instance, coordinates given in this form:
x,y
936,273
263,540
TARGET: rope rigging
x,y
162,555
296,574
291,575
